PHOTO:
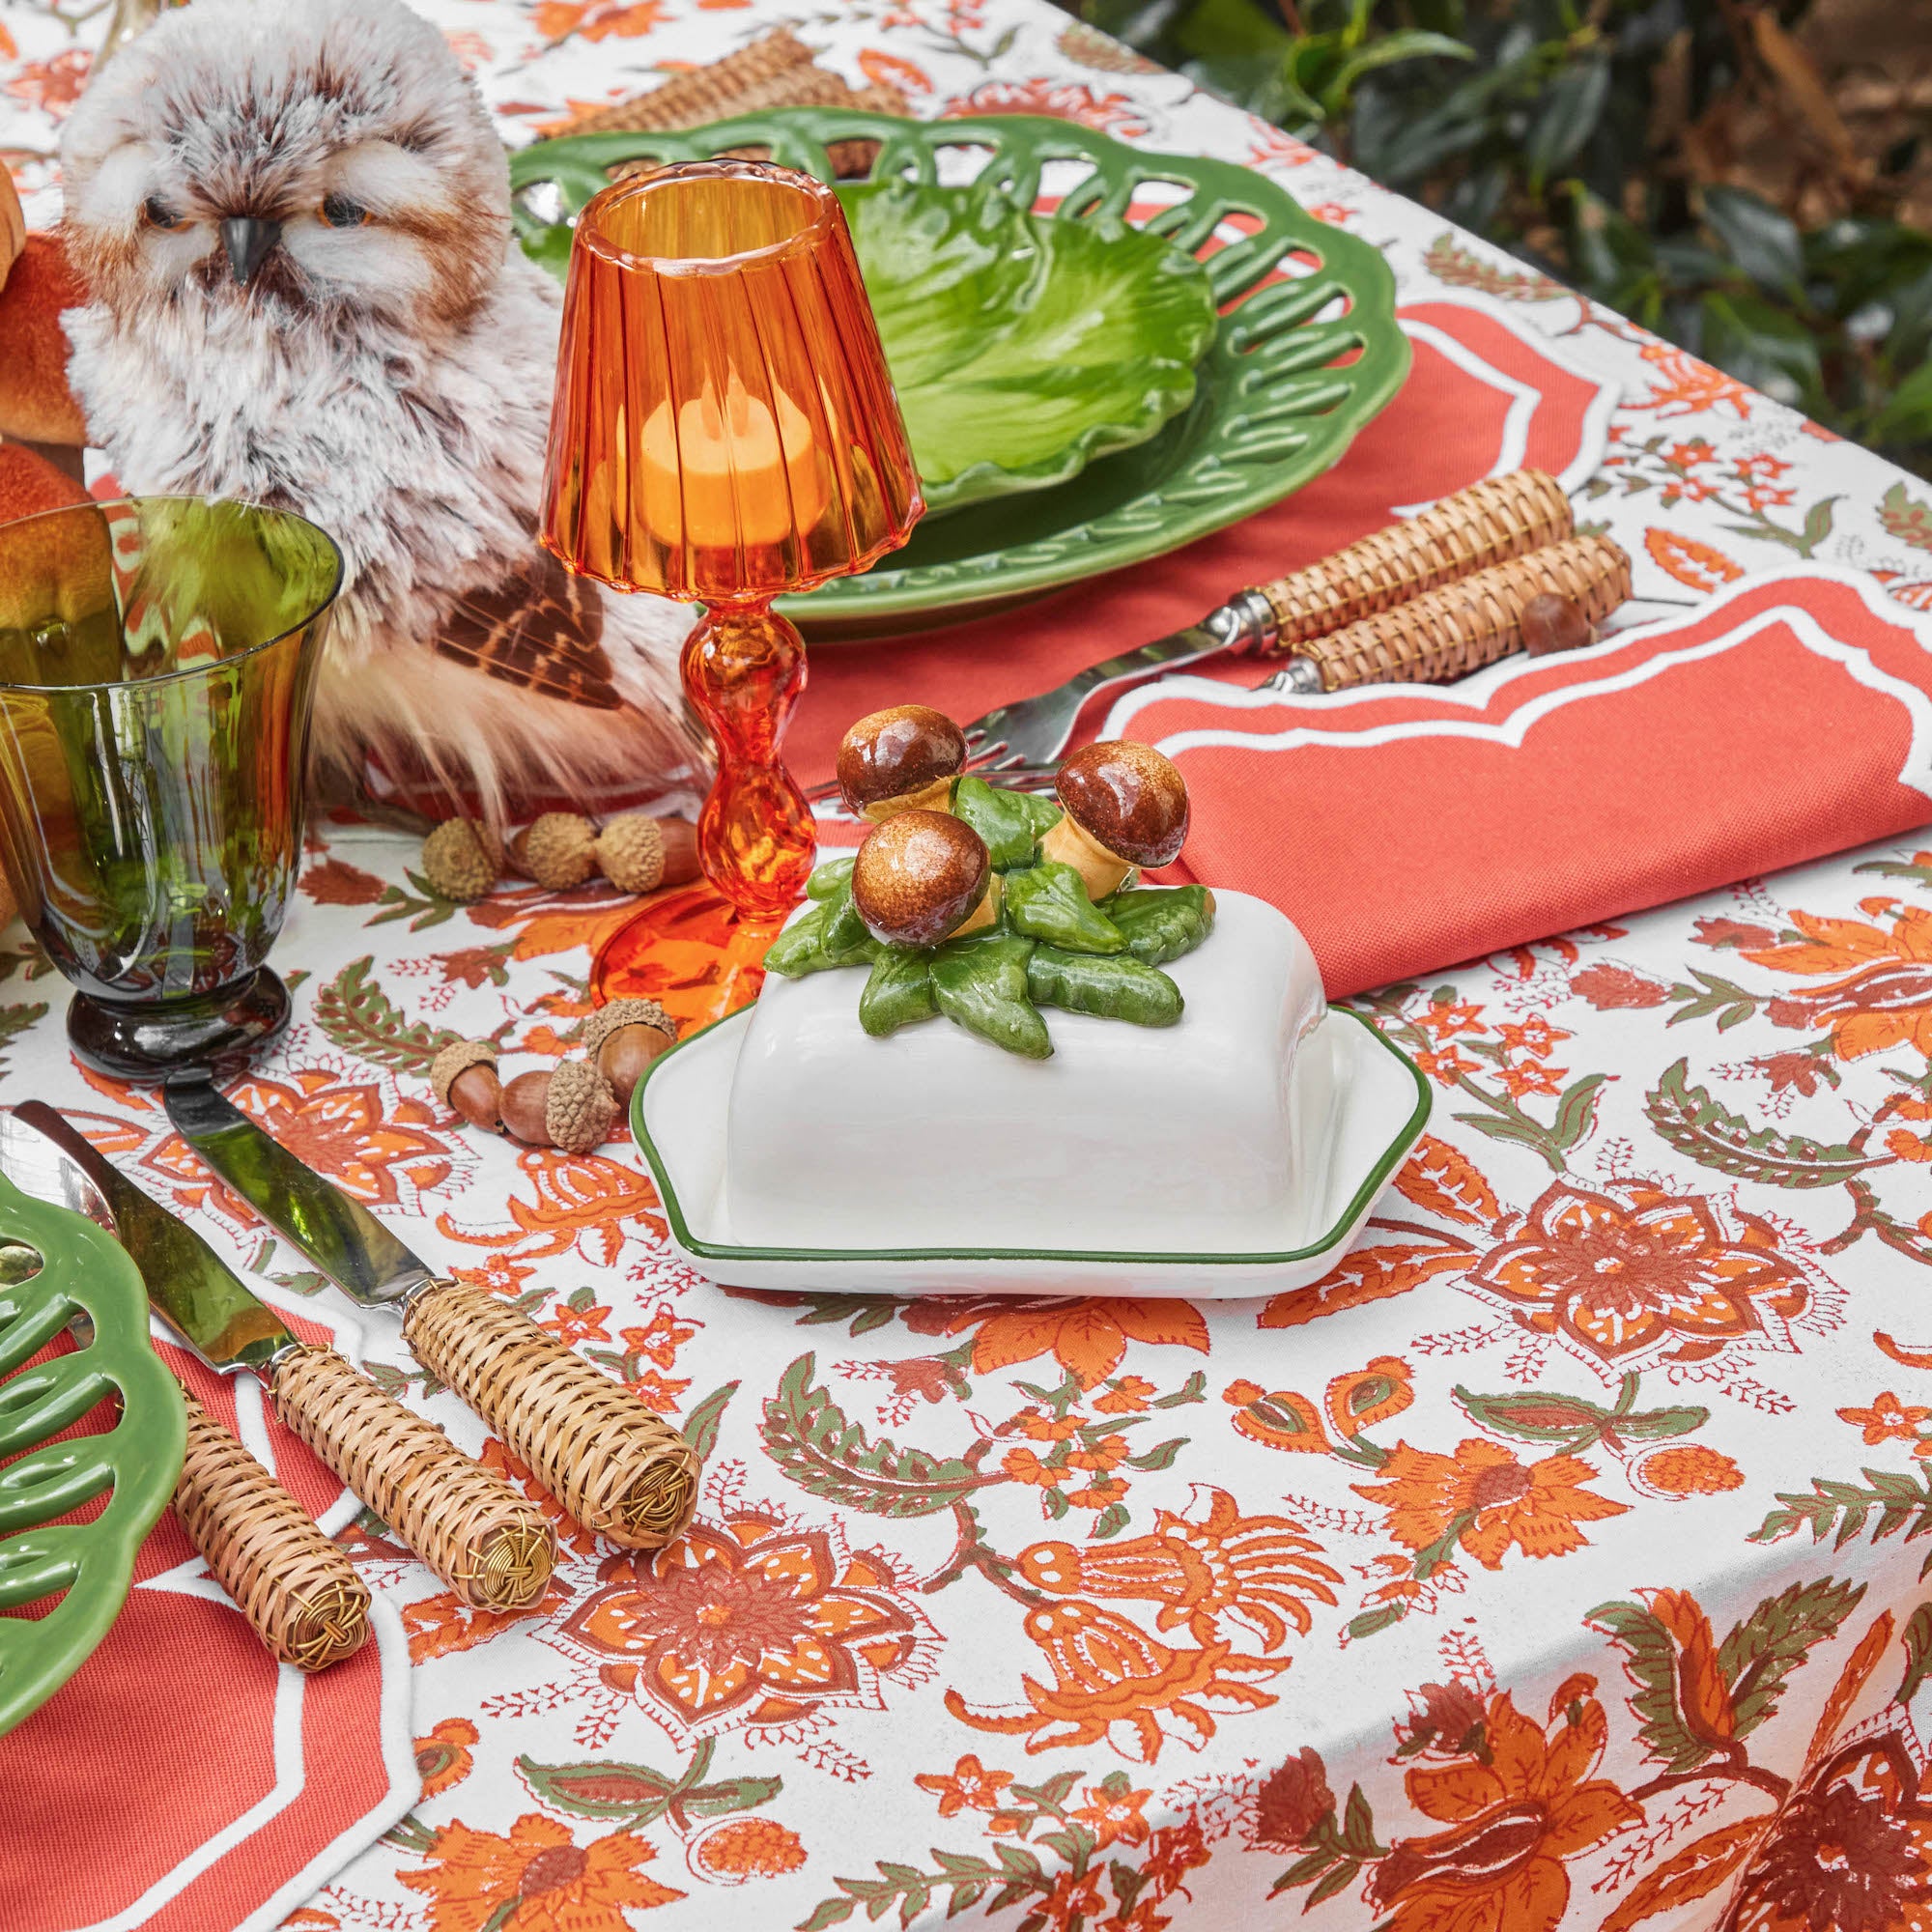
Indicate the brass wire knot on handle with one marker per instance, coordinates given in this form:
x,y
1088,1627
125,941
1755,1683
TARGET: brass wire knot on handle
x,y
299,1591
490,1545
614,1466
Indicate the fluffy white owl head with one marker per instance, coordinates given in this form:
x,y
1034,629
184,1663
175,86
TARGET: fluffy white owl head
x,y
320,158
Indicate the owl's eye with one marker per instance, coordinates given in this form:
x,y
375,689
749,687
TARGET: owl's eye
x,y
158,214
339,212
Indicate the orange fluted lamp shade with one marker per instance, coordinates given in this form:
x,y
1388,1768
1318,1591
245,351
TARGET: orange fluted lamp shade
x,y
724,427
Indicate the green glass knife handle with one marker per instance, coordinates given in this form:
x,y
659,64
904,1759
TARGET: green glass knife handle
x,y
617,1468
299,1591
490,1545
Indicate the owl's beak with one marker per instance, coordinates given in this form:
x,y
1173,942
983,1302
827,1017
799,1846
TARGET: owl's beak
x,y
247,241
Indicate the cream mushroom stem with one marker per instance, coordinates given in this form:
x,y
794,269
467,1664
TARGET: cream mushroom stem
x,y
935,797
986,913
1069,843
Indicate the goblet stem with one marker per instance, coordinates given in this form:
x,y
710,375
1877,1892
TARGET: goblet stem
x,y
744,670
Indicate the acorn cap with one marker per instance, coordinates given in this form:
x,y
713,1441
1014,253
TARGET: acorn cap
x,y
918,876
579,1107
606,1021
558,851
891,753
1127,798
462,859
630,851
455,1059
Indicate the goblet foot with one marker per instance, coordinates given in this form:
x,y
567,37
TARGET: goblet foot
x,y
691,950
146,1043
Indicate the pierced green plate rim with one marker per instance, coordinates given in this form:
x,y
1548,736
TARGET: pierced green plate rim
x,y
1358,1205
1269,413
86,1271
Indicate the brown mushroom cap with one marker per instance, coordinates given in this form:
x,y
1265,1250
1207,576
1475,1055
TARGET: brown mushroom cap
x,y
896,751
918,876
1127,798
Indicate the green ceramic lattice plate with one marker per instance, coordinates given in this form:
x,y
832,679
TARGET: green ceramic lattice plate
x,y
81,1271
1295,371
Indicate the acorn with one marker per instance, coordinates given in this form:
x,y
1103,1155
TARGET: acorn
x,y
920,878
523,1106
639,853
623,1038
901,759
559,850
579,1107
463,1075
462,859
1125,805
1553,623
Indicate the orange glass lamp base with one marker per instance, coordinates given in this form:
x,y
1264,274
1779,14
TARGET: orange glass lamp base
x,y
689,949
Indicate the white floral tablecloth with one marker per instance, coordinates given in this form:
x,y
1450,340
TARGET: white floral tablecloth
x,y
1555,1565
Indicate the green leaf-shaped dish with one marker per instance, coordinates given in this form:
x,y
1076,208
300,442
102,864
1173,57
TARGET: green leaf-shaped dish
x,y
1023,347
55,1265
1306,347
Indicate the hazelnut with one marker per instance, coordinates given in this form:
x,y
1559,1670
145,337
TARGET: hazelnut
x,y
464,1076
900,760
918,877
579,1107
1125,805
624,1037
462,859
558,851
1553,623
521,1107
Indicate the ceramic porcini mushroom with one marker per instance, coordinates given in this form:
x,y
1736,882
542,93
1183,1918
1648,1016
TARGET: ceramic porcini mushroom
x,y
901,759
1125,805
920,878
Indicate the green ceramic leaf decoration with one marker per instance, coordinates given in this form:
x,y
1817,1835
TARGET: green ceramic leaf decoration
x,y
981,983
1021,346
1049,902
1161,923
822,939
899,992
54,1266
1119,988
828,880
1012,823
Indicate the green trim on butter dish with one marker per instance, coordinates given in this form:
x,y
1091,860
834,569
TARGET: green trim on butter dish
x,y
1273,403
82,1272
1358,1203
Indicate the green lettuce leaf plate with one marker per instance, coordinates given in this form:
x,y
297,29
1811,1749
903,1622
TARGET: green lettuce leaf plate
x,y
1063,432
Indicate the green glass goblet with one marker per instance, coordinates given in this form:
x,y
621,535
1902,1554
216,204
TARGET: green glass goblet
x,y
158,668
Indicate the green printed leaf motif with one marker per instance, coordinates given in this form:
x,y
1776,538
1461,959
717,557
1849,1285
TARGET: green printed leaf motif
x,y
358,1016
808,1436
1693,1122
1760,1652
1021,346
1049,902
1113,989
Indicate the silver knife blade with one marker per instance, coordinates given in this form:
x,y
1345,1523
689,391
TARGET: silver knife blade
x,y
189,1286
336,1232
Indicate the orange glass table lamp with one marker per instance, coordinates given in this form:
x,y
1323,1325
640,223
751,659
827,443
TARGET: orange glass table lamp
x,y
724,431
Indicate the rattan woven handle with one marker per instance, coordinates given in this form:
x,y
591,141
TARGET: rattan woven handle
x,y
490,1545
294,1586
612,1464
1486,523
1448,633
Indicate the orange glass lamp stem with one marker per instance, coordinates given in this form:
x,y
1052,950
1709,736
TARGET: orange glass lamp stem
x,y
724,431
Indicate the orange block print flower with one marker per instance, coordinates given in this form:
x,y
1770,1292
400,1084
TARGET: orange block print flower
x,y
1112,1813
1885,998
968,1786
537,1880
750,1622
1113,1681
1886,1420
1688,1470
1512,1822
1483,1499
1251,1570
743,1848
1087,1337
442,1758
1631,1271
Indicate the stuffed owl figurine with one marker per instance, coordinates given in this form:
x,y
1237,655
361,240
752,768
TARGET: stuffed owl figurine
x,y
292,222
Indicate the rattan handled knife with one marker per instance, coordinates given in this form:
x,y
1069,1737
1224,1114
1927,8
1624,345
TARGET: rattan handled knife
x,y
490,1545
616,1468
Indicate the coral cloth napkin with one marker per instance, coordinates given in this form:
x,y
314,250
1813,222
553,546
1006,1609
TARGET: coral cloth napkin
x,y
1407,828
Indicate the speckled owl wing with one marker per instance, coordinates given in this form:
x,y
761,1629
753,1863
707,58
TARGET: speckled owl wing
x,y
541,628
